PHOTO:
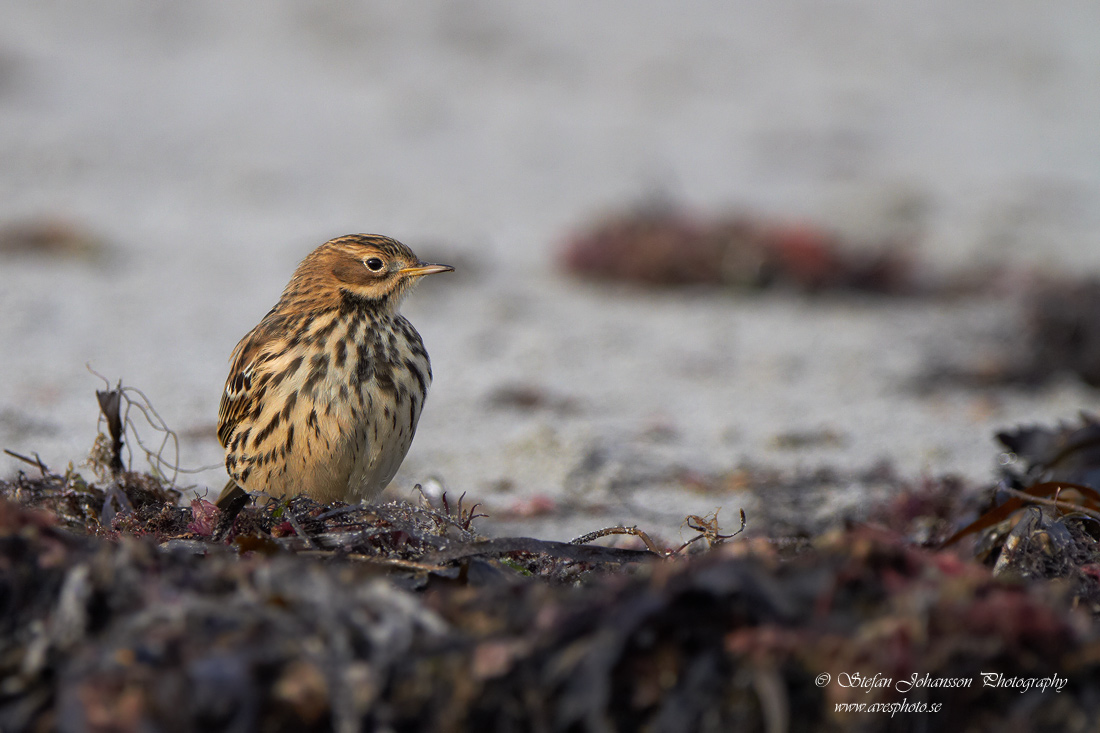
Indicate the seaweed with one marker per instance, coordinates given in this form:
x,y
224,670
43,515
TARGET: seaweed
x,y
142,610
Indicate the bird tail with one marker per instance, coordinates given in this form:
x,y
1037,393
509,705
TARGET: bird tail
x,y
232,494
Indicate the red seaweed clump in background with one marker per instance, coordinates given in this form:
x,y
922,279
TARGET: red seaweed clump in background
x,y
665,246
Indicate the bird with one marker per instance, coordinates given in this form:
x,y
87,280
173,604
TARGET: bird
x,y
324,394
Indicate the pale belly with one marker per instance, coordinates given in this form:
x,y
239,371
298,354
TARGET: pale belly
x,y
346,445
352,453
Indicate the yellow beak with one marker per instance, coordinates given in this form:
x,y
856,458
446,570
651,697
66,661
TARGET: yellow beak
x,y
424,268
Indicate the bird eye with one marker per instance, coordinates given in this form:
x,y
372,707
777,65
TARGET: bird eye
x,y
374,264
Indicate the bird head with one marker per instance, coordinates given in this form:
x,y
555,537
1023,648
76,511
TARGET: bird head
x,y
369,268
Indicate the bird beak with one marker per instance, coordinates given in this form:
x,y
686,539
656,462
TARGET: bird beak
x,y
423,268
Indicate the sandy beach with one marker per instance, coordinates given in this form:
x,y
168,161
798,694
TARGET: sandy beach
x,y
196,152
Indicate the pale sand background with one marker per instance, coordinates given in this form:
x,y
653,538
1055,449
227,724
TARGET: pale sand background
x,y
212,144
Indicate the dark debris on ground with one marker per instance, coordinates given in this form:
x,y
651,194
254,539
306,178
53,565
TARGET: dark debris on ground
x,y
298,616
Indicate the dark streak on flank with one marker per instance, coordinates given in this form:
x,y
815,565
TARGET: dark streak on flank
x,y
267,430
415,371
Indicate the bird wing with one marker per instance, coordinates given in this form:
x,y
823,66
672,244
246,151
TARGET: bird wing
x,y
238,399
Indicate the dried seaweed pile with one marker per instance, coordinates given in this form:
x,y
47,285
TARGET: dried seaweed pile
x,y
1045,519
297,616
124,610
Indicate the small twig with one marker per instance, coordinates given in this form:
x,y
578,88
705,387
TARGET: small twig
x,y
1065,505
118,421
684,546
36,461
633,531
460,517
157,423
708,529
466,517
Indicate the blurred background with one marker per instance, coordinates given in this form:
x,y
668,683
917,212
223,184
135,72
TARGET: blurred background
x,y
164,166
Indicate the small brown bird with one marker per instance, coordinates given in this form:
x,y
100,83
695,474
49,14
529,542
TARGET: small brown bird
x,y
323,396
